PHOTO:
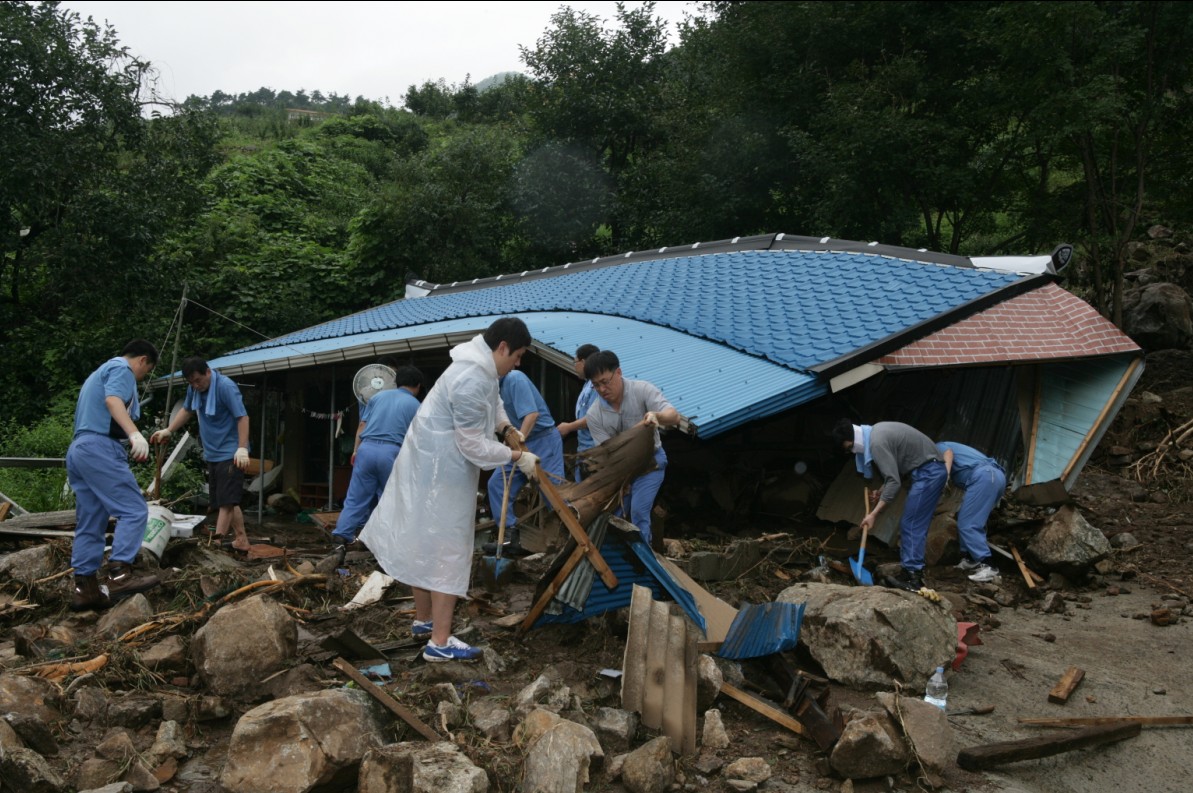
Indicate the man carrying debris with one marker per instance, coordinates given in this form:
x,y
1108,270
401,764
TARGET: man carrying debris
x,y
224,431
98,472
899,451
528,413
624,404
983,481
379,435
422,530
583,402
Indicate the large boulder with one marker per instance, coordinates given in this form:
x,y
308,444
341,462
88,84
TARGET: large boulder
x,y
30,696
558,762
870,746
243,644
28,565
296,744
873,637
1158,316
437,768
1068,544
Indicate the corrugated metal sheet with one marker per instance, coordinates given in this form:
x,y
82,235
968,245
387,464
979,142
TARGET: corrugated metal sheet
x,y
632,561
715,387
1074,398
784,306
762,629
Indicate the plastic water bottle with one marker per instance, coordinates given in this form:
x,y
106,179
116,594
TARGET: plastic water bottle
x,y
937,690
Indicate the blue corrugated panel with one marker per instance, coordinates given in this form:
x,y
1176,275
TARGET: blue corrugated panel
x,y
763,629
632,562
715,387
796,308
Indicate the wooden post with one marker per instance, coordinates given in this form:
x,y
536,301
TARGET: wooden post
x,y
1061,692
979,758
379,694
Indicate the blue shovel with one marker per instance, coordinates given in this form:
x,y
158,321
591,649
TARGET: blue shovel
x,y
859,572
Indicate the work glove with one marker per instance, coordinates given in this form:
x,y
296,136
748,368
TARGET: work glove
x,y
161,436
526,464
651,419
241,459
140,450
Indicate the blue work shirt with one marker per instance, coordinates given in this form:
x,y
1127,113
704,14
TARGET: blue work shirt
x,y
966,460
588,395
387,415
521,398
113,378
218,431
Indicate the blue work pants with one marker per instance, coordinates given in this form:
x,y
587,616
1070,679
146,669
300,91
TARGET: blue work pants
x,y
548,445
98,472
927,483
982,492
640,501
370,472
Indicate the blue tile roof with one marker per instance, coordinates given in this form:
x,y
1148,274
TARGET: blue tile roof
x,y
799,309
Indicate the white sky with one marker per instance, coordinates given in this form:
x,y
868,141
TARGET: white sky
x,y
374,49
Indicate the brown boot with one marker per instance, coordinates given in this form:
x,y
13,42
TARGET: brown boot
x,y
122,581
89,595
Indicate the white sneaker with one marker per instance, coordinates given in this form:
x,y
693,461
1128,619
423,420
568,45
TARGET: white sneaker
x,y
983,574
967,565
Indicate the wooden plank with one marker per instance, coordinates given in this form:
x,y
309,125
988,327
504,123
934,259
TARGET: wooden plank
x,y
633,662
673,682
691,657
980,758
1064,688
1095,721
392,705
718,615
656,666
1027,574
552,589
765,708
4,508
1035,429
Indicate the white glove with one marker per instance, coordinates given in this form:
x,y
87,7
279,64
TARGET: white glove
x,y
161,436
241,459
651,419
526,464
140,450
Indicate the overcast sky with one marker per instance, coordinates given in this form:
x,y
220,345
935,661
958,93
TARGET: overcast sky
x,y
374,49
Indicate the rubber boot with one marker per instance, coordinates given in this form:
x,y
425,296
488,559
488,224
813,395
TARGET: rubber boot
x,y
89,595
122,581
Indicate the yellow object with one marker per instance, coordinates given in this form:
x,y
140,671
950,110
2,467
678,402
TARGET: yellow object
x,y
930,594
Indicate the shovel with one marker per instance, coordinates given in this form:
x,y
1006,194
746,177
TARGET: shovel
x,y
859,572
495,570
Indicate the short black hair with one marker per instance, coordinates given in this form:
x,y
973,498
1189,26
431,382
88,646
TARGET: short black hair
x,y
842,431
408,376
510,330
193,365
585,350
600,362
138,347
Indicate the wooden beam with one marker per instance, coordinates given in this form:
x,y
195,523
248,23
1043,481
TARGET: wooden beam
x,y
980,758
1097,721
765,708
552,589
1027,574
392,705
4,508
1035,429
1068,683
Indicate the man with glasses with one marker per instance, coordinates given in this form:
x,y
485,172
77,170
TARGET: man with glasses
x,y
103,484
624,404
224,431
587,396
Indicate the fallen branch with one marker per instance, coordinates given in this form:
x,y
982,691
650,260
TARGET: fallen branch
x,y
980,758
1095,721
60,671
54,577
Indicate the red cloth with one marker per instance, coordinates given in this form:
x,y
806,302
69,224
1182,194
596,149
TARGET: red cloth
x,y
967,635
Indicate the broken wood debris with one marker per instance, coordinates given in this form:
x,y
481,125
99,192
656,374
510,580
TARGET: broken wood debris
x,y
1095,721
764,708
387,701
1067,684
980,758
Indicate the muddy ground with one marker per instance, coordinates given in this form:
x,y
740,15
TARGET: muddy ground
x,y
1132,666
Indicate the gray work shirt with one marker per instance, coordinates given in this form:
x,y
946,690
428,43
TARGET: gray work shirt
x,y
637,399
898,449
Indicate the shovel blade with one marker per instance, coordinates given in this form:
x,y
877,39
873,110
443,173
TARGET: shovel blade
x,y
860,573
495,571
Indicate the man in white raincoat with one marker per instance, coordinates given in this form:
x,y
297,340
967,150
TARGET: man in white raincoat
x,y
423,528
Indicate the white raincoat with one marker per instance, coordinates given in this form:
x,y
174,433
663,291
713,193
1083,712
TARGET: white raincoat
x,y
422,530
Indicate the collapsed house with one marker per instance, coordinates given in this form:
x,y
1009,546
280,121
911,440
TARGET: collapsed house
x,y
760,343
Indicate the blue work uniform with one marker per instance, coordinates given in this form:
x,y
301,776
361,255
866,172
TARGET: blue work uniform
x,y
984,481
520,398
219,410
584,439
387,416
97,469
